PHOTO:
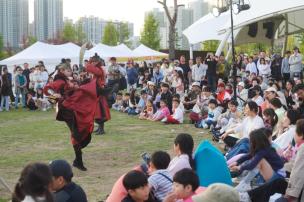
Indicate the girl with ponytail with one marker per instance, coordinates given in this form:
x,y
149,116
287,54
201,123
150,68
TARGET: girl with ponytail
x,y
33,184
183,149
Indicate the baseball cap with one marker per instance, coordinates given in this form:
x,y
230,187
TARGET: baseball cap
x,y
151,83
241,84
218,193
61,168
196,84
271,89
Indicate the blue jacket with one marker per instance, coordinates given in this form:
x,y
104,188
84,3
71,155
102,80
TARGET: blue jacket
x,y
132,75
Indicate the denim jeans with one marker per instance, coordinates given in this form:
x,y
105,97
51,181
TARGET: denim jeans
x,y
4,100
22,99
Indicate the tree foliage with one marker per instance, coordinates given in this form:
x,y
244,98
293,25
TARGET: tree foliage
x,y
150,34
300,38
69,32
124,33
110,35
210,45
80,35
2,54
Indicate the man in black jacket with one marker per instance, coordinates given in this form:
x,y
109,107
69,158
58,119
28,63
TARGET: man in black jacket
x,y
64,189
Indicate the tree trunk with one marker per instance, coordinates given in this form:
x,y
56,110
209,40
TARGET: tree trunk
x,y
172,39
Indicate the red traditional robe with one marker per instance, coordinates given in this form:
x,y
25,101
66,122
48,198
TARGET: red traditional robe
x,y
102,111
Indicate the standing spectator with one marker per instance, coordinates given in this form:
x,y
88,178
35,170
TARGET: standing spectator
x,y
20,87
223,68
44,75
199,70
295,62
211,71
31,79
251,66
285,68
5,89
264,68
114,74
132,76
276,68
37,78
186,70
26,72
157,75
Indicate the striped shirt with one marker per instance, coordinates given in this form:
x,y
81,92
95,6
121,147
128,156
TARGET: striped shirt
x,y
161,183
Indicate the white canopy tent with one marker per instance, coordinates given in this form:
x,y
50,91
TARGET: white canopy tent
x,y
105,51
258,24
144,51
49,54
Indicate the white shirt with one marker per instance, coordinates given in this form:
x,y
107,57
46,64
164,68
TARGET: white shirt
x,y
178,114
249,124
259,100
178,163
295,62
264,69
252,68
285,139
199,71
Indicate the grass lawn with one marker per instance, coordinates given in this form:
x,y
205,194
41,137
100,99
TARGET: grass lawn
x,y
35,136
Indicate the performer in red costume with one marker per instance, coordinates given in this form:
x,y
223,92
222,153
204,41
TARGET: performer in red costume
x,y
77,107
102,111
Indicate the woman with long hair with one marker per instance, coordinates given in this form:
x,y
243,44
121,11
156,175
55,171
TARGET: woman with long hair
x,y
183,149
33,184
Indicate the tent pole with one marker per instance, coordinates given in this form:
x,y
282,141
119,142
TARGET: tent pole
x,y
191,51
285,36
222,44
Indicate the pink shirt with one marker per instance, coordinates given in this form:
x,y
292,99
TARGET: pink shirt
x,y
161,113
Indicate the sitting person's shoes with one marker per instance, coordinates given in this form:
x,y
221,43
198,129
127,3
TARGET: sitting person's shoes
x,y
164,120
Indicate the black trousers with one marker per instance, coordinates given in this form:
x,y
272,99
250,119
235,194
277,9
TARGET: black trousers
x,y
230,141
264,192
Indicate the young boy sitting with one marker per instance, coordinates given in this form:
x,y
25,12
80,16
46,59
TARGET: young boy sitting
x,y
185,184
213,113
118,102
136,184
125,102
160,181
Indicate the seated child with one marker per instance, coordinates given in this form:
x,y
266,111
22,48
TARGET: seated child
x,y
142,101
160,180
228,119
162,112
118,102
125,102
30,102
136,184
178,114
213,113
133,103
41,101
147,113
185,184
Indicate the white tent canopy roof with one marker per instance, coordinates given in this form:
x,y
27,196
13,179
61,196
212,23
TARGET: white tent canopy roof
x,y
206,29
212,28
49,54
106,51
144,51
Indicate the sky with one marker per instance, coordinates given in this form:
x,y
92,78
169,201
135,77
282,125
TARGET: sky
x,y
123,10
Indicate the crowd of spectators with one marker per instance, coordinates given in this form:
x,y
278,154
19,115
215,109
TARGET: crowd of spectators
x,y
261,130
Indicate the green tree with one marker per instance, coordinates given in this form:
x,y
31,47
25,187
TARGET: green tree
x,y
124,33
300,38
110,35
69,33
80,35
150,34
1,47
210,45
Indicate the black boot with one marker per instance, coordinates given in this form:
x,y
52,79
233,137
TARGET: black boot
x,y
77,163
97,130
101,129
